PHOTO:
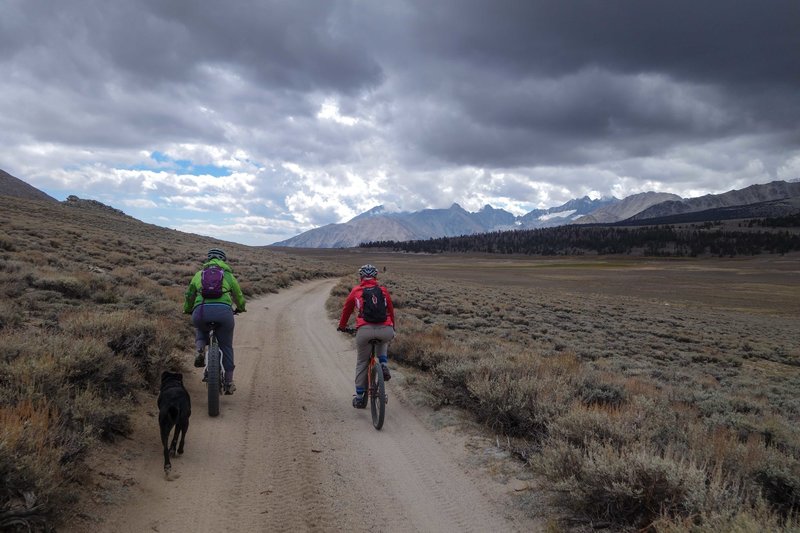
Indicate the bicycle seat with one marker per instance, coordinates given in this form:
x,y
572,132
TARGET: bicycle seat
x,y
375,341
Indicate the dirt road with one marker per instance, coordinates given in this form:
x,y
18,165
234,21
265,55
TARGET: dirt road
x,y
288,451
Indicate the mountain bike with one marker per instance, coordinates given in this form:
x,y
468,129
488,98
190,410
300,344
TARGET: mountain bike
x,y
376,388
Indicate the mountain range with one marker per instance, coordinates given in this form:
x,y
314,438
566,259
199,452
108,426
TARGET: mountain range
x,y
779,198
775,199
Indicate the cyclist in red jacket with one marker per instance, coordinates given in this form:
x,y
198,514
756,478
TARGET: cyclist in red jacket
x,y
374,320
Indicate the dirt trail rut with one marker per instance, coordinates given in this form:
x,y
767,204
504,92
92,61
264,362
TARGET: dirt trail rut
x,y
288,452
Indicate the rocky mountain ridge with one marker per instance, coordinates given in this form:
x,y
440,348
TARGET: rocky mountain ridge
x,y
378,224
754,194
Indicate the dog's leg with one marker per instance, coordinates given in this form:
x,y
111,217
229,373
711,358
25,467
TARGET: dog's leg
x,y
184,427
174,444
174,417
164,439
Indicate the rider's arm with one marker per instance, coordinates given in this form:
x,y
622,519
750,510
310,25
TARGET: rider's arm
x,y
237,296
389,304
347,310
190,295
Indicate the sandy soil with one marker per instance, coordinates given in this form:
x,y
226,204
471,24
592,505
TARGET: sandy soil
x,y
288,451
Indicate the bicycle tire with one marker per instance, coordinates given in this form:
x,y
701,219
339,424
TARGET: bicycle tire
x,y
214,383
377,398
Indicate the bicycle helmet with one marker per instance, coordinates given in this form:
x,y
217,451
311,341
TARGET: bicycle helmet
x,y
216,253
367,271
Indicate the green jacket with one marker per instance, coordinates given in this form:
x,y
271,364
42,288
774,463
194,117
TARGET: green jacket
x,y
231,290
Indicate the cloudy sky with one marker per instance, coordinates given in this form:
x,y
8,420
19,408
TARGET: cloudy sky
x,y
255,120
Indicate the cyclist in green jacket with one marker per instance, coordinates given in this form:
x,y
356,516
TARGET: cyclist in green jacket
x,y
218,309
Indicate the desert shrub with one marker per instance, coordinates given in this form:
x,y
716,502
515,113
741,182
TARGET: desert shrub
x,y
632,486
7,243
30,466
778,477
758,519
68,285
596,392
101,415
581,425
148,342
10,315
521,398
423,347
124,275
88,361
119,258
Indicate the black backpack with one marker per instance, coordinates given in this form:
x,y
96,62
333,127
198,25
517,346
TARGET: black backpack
x,y
211,282
374,309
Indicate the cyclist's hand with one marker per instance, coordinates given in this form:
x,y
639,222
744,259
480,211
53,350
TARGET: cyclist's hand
x,y
340,328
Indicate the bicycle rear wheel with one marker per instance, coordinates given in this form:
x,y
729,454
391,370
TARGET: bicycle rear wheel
x,y
213,378
377,395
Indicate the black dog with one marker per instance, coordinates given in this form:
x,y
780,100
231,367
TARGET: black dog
x,y
174,409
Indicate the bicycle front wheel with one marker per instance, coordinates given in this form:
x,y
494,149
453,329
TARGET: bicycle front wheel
x,y
377,395
213,384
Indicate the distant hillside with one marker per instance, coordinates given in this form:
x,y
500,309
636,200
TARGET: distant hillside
x,y
626,208
754,194
11,186
785,207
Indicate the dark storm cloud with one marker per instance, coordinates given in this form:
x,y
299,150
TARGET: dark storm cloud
x,y
516,83
712,41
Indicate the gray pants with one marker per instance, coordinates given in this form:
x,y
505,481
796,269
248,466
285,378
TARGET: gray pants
x,y
363,336
222,314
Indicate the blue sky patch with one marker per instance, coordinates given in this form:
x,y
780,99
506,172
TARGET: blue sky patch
x,y
181,166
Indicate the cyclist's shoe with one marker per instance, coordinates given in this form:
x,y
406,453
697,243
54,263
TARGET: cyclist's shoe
x,y
229,388
205,376
360,401
386,374
200,359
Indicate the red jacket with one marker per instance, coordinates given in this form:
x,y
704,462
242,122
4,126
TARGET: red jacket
x,y
355,301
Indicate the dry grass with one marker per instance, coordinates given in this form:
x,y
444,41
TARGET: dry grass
x,y
90,314
663,409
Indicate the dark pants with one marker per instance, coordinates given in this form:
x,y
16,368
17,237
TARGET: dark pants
x,y
222,314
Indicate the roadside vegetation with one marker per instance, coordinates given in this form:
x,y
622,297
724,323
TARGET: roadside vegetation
x,y
90,314
639,413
